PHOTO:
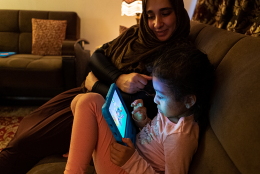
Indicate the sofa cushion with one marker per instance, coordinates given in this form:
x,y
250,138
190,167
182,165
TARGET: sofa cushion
x,y
9,30
211,157
31,62
25,19
213,41
55,164
57,168
26,45
9,42
234,115
43,75
231,143
6,24
47,36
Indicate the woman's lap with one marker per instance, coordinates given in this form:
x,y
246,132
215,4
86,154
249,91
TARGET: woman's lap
x,y
45,131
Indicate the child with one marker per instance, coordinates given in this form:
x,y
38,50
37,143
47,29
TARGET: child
x,y
182,79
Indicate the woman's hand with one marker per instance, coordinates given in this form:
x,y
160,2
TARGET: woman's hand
x,y
120,154
133,82
90,81
139,111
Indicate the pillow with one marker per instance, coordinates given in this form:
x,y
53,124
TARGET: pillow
x,y
47,36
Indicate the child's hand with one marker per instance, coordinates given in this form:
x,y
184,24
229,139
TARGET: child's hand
x,y
139,111
120,154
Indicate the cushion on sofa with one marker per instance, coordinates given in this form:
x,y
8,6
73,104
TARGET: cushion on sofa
x,y
43,74
234,114
9,29
55,164
47,36
231,143
214,42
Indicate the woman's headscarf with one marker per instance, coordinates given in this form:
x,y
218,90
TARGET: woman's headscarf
x,y
131,49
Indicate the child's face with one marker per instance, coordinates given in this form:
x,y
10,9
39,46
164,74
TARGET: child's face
x,y
166,102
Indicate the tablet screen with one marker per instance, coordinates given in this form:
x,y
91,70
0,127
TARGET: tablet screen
x,y
118,113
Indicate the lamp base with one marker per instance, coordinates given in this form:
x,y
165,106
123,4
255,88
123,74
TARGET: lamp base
x,y
138,17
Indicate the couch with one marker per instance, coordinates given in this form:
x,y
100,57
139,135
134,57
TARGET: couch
x,y
29,76
231,143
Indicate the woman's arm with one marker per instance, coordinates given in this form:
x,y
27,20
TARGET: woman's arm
x,y
106,72
103,68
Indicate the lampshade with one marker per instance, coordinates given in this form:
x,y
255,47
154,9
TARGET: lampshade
x,y
131,7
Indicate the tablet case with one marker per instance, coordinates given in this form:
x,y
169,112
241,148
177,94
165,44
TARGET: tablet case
x,y
6,54
130,131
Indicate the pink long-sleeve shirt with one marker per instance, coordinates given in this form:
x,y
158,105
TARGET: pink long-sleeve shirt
x,y
164,147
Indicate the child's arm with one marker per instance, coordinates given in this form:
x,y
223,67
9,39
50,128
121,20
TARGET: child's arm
x,y
129,159
179,149
139,113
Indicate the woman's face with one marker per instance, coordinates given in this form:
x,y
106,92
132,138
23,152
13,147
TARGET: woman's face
x,y
166,102
161,18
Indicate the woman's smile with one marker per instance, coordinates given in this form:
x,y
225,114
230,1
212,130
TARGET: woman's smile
x,y
161,33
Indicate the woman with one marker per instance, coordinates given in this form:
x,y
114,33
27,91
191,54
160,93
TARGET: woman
x,y
47,130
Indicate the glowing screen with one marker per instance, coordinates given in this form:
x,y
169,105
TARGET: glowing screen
x,y
118,113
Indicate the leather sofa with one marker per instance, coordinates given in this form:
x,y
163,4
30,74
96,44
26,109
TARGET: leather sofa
x,y
231,143
27,76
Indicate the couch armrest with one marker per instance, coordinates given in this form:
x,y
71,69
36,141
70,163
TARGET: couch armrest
x,y
68,47
81,42
82,61
69,72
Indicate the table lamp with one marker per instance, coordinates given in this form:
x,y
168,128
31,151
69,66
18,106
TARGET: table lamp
x,y
132,8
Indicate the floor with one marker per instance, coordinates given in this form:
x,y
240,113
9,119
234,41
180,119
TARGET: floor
x,y
21,108
18,108
11,114
22,102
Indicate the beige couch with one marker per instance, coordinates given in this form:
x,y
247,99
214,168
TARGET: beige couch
x,y
231,143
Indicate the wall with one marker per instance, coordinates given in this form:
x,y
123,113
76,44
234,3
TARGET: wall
x,y
190,6
100,19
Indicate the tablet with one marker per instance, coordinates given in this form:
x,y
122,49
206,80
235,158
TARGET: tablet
x,y
117,116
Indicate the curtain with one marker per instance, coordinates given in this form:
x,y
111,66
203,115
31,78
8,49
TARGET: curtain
x,y
241,16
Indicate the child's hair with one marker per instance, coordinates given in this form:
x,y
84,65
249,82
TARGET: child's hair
x,y
187,71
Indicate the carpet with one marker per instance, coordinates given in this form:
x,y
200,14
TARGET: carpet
x,y
10,118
